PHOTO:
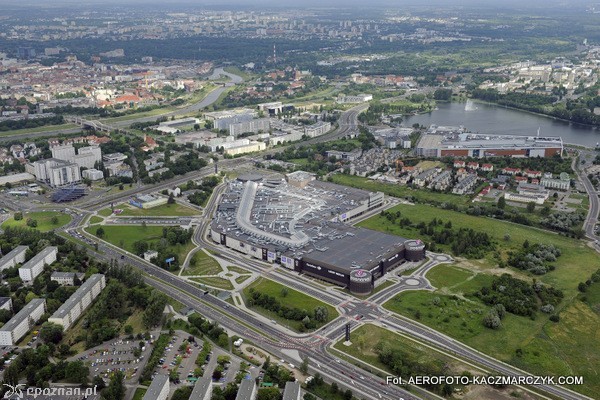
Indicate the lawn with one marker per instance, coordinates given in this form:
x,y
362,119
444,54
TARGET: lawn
x,y
139,393
165,210
292,299
202,264
239,270
39,129
570,347
577,259
95,219
105,212
124,236
215,281
43,218
242,278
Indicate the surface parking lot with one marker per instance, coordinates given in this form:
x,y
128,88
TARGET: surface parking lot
x,y
183,361
118,355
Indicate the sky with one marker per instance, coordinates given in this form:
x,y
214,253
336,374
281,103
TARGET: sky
x,y
311,3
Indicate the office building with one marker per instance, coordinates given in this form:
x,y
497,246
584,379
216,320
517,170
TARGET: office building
x,y
67,314
158,389
14,257
32,268
56,172
22,322
254,126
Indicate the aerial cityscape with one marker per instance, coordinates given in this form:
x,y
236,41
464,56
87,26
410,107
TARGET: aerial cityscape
x,y
259,200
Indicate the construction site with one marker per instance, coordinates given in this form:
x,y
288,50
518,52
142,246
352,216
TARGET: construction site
x,y
303,224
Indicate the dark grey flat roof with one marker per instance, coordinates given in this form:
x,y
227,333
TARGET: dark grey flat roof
x,y
200,388
292,391
76,297
22,315
158,382
245,390
12,254
364,248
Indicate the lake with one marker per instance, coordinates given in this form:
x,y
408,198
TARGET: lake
x,y
492,119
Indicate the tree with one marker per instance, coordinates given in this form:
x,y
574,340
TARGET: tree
x,y
348,394
154,311
51,332
171,199
284,292
140,247
100,232
530,207
321,314
501,203
18,216
304,366
115,389
77,372
492,320
32,223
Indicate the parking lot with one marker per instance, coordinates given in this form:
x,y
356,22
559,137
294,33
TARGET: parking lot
x,y
117,355
183,360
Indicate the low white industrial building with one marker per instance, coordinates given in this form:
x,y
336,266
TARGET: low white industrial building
x,y
14,257
32,268
79,301
22,322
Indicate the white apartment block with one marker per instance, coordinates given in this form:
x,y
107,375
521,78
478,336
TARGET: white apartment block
x,y
65,153
56,172
32,268
22,322
79,301
92,174
14,257
86,156
158,389
254,125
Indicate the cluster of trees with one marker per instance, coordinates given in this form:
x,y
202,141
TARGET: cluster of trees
x,y
583,286
276,374
416,104
403,363
580,111
442,94
309,321
534,258
157,352
519,297
463,242
493,319
30,123
212,330
325,391
563,221
203,191
35,366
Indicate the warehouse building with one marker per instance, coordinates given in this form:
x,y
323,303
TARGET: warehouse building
x,y
79,301
32,268
22,322
14,257
455,142
303,227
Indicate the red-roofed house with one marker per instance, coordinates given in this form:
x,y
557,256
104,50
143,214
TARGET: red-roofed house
x,y
459,164
511,171
150,143
473,165
521,178
487,167
533,174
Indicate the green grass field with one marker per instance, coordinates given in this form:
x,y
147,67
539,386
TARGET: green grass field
x,y
95,219
124,236
165,210
43,218
242,278
39,129
571,346
202,264
215,281
292,299
139,393
577,259
239,270
105,212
